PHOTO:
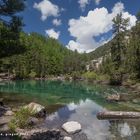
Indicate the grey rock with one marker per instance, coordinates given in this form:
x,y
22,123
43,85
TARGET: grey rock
x,y
32,121
67,138
5,120
72,127
36,109
9,113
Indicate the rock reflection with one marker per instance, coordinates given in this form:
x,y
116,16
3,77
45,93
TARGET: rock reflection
x,y
85,113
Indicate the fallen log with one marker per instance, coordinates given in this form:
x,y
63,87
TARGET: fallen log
x,y
118,115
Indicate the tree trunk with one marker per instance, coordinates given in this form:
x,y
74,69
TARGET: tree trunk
x,y
118,115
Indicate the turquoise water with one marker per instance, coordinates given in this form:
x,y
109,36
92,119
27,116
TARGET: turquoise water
x,y
68,101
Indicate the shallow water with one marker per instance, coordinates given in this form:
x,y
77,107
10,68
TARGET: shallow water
x,y
66,101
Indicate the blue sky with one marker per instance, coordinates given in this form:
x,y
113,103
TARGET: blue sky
x,y
78,24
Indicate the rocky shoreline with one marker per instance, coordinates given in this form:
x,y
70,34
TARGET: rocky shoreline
x,y
68,131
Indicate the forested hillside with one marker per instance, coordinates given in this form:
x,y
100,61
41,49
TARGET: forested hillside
x,y
32,55
43,56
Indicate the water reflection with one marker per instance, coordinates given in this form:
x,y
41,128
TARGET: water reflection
x,y
56,92
125,129
73,102
85,113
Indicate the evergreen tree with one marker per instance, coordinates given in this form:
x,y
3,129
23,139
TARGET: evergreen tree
x,y
119,29
10,27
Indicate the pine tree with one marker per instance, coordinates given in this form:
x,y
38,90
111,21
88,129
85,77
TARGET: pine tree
x,y
119,28
10,27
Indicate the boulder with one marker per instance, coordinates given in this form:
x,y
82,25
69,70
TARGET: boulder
x,y
37,109
32,121
72,127
67,138
9,113
5,120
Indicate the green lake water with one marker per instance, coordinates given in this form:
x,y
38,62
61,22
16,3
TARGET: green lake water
x,y
69,101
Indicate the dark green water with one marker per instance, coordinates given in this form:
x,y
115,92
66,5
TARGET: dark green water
x,y
80,102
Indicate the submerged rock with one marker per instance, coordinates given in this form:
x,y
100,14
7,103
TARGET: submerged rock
x,y
67,138
79,136
37,109
72,127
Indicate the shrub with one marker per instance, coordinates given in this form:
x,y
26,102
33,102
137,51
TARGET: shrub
x,y
32,74
20,119
90,76
76,75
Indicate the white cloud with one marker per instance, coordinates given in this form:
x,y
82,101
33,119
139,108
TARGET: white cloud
x,y
52,33
97,2
118,8
47,9
57,22
83,3
96,23
132,19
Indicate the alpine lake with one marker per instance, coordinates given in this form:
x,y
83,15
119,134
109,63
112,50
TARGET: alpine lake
x,y
75,101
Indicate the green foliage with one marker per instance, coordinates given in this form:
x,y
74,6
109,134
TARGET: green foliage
x,y
117,48
76,75
133,53
33,55
11,7
125,53
43,57
91,76
32,74
11,27
20,119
